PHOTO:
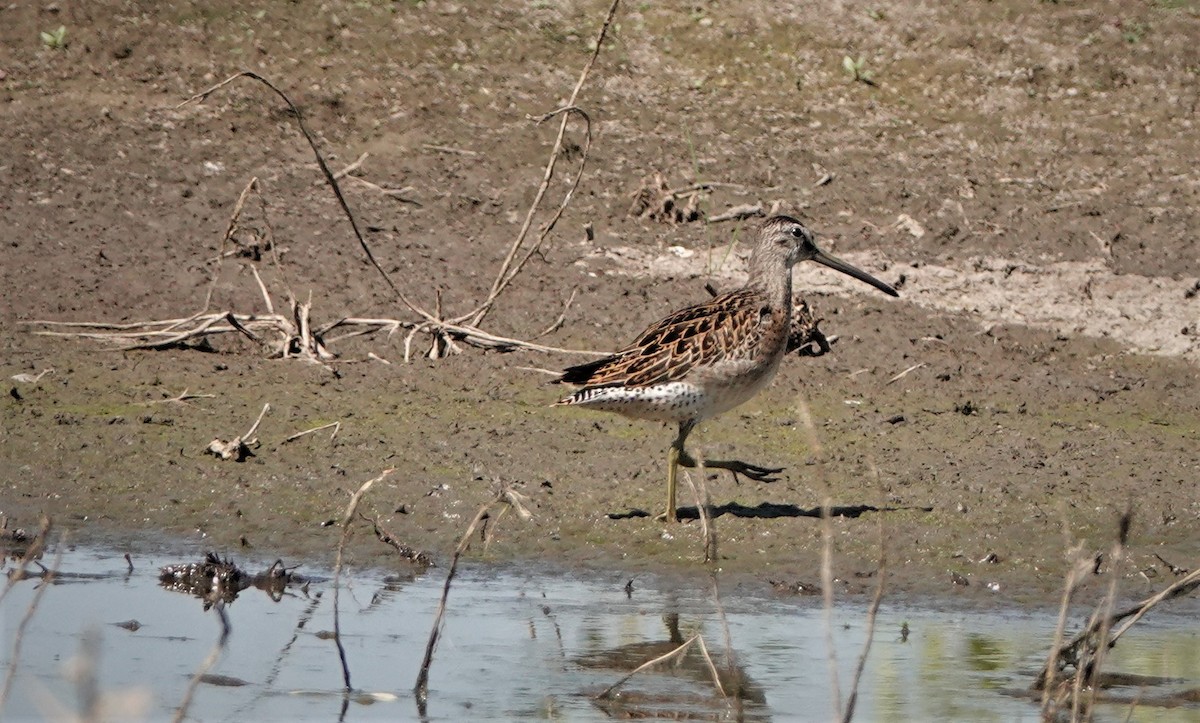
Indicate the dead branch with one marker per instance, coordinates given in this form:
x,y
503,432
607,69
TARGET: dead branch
x,y
238,448
230,230
872,612
1069,653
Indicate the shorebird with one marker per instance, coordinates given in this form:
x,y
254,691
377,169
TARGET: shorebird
x,y
708,358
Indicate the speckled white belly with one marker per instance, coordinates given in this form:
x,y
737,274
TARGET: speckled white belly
x,y
711,394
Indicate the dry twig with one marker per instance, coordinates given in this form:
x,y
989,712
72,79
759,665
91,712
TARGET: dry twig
x,y
181,398
738,213
337,426
504,496
826,556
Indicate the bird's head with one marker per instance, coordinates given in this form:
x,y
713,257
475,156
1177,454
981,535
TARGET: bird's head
x,y
783,238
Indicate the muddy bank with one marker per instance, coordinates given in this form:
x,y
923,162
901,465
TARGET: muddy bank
x,y
1012,418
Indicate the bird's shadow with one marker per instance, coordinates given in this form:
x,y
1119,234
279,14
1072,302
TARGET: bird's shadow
x,y
769,510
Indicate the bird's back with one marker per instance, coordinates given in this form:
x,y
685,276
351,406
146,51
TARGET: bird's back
x,y
696,362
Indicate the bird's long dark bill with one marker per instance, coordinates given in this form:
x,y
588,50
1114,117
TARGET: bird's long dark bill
x,y
838,265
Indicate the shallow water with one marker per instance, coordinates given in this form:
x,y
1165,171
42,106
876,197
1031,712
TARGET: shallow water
x,y
522,644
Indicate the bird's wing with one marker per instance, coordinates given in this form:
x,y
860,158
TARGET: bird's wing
x,y
698,335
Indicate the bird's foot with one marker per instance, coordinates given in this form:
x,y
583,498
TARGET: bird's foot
x,y
745,469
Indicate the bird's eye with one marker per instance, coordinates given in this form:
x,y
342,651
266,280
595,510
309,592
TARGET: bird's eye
x,y
797,232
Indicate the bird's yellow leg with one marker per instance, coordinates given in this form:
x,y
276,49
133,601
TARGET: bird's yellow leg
x,y
672,469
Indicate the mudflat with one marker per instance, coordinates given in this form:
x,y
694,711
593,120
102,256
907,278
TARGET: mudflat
x,y
1024,174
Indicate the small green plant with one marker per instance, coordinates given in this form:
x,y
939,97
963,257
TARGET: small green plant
x,y
55,39
857,69
1133,33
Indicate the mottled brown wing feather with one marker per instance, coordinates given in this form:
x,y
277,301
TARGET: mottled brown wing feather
x,y
670,348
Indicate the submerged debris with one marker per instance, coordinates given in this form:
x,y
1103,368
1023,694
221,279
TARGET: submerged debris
x,y
215,579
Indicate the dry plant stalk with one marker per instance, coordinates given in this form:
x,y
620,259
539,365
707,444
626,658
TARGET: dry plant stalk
x,y
503,498
703,503
872,613
387,537
213,656
1085,651
32,552
296,329
351,508
1087,673
47,580
826,554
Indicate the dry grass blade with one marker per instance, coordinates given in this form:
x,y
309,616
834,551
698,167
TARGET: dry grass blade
x,y
1078,567
351,508
182,398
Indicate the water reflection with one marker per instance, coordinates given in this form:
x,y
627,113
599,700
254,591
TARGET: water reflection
x,y
523,644
733,692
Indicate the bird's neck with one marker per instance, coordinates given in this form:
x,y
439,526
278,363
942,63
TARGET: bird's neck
x,y
774,283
